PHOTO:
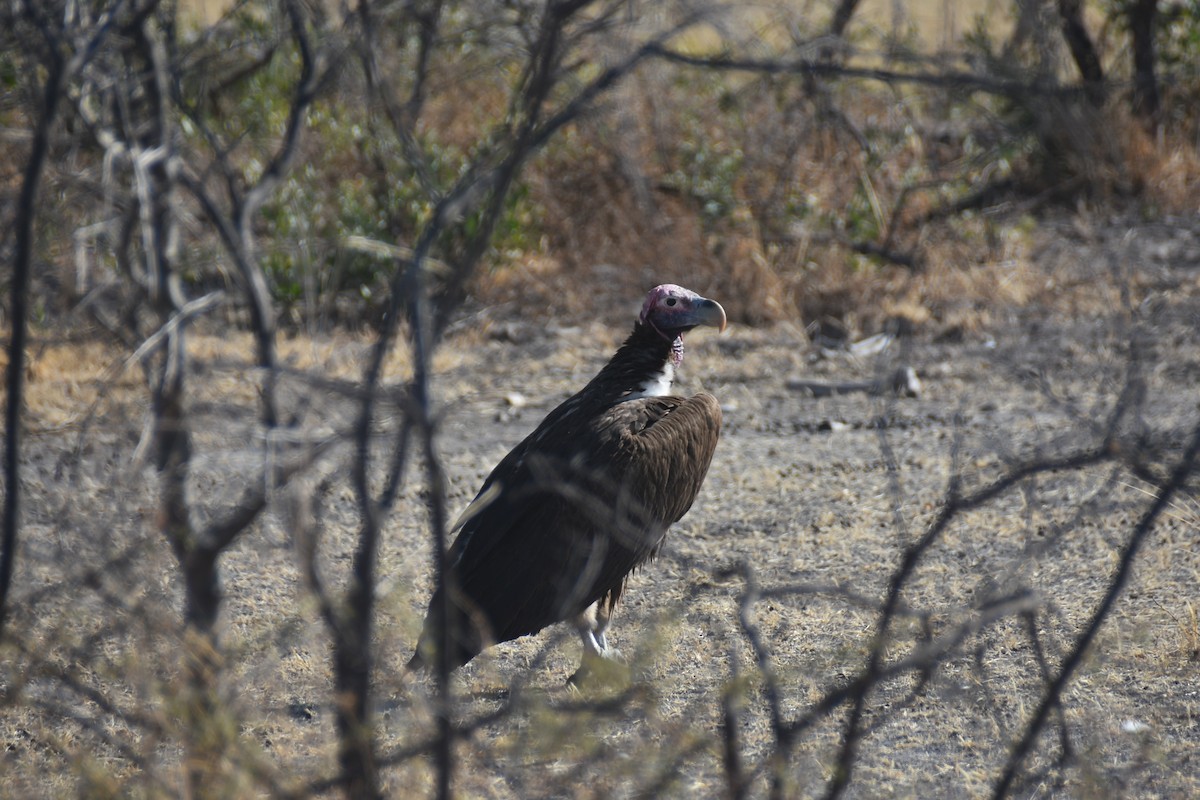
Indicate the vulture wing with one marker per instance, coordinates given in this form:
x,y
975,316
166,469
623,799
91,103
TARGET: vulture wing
x,y
661,448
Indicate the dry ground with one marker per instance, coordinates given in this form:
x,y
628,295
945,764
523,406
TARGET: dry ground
x,y
800,492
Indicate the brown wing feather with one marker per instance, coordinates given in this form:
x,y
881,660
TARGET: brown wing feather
x,y
662,456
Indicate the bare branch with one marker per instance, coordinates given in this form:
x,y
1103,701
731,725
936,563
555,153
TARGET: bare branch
x,y
731,740
827,69
841,17
1184,469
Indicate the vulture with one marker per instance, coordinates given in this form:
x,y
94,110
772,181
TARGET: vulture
x,y
588,496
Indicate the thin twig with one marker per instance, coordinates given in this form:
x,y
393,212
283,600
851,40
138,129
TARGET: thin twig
x,y
830,69
1179,476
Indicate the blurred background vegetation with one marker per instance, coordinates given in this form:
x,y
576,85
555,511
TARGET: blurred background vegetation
x,y
884,174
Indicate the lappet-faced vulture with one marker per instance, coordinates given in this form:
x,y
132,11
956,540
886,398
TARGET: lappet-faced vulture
x,y
564,518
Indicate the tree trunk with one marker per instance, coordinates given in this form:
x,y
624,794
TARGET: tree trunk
x,y
352,682
202,731
1083,50
19,293
206,736
1145,83
352,643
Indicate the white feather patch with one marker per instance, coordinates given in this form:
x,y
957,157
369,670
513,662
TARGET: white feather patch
x,y
657,386
481,502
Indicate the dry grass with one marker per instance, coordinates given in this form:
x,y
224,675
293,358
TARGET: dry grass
x,y
801,505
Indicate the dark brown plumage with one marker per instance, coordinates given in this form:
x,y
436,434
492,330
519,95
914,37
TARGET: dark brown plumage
x,y
588,496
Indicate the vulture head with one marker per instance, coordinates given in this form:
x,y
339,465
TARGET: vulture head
x,y
673,310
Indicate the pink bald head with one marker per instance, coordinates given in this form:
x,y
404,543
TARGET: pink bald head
x,y
672,310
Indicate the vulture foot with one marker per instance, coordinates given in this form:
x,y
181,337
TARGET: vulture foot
x,y
609,669
600,663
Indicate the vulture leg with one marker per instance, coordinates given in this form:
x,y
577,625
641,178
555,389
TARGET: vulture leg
x,y
603,618
592,626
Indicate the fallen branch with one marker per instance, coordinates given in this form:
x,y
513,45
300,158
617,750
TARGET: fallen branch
x,y
903,382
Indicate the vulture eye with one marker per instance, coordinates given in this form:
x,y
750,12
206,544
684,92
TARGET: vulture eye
x,y
671,301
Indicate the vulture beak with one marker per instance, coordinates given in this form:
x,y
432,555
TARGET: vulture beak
x,y
709,312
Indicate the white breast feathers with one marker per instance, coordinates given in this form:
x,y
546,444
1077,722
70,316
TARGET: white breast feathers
x,y
658,385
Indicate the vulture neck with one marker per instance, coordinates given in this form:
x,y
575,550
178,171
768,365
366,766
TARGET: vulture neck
x,y
644,366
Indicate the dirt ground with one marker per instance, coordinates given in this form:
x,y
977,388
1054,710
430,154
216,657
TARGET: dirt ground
x,y
817,497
